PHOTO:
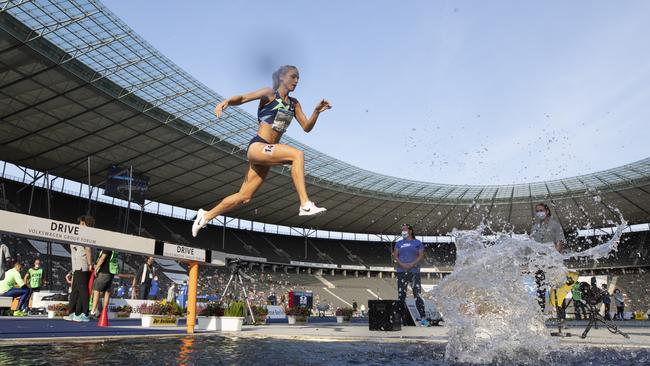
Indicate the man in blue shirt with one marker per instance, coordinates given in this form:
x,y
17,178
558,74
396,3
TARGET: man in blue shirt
x,y
153,291
182,295
408,253
121,291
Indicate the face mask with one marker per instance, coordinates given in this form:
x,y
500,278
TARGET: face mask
x,y
405,234
540,215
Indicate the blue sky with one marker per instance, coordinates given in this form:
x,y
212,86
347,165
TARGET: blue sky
x,y
466,92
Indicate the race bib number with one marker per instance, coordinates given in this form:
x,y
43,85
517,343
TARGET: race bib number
x,y
282,120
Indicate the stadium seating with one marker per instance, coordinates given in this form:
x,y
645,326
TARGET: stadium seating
x,y
335,289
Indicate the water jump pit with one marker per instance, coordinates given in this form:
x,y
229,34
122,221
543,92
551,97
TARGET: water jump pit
x,y
125,342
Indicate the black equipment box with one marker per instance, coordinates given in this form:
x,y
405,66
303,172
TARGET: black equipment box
x,y
385,315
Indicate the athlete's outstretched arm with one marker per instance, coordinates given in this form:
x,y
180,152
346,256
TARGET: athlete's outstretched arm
x,y
241,99
307,124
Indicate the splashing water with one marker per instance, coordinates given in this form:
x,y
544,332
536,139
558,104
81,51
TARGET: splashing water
x,y
490,314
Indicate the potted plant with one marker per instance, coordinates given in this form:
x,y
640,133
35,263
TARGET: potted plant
x,y
343,314
210,317
120,312
297,314
233,318
57,310
259,314
160,314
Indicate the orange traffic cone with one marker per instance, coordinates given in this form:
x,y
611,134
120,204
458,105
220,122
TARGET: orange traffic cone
x,y
103,318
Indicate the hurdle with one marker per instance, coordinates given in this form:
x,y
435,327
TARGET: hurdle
x,y
71,233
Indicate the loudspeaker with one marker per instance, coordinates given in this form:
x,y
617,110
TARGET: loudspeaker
x,y
385,315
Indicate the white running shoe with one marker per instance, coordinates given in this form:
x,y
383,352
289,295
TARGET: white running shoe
x,y
309,209
199,222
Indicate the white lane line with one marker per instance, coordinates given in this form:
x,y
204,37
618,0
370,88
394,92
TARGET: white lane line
x,y
373,294
335,295
324,281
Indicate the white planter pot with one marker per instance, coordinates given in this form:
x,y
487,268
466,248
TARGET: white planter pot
x,y
339,319
51,314
209,323
231,323
147,321
296,320
158,321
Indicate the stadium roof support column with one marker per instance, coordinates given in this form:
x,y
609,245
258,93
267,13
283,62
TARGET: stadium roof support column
x,y
46,183
223,232
90,194
4,203
304,234
387,239
32,184
223,235
50,269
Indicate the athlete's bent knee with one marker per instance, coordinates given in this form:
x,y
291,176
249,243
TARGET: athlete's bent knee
x,y
245,198
299,155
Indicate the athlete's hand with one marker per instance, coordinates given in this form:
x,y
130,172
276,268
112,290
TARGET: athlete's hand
x,y
218,110
322,106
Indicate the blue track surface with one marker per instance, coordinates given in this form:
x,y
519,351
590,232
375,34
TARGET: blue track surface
x,y
43,328
31,327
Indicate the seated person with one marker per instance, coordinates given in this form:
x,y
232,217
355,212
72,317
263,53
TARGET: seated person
x,y
322,307
13,286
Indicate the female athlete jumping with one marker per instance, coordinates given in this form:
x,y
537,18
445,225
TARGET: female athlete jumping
x,y
276,111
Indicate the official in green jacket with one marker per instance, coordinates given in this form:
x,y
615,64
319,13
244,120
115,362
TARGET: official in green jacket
x,y
34,276
13,286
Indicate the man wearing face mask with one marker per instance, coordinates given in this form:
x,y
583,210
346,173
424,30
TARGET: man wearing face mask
x,y
408,254
34,276
545,230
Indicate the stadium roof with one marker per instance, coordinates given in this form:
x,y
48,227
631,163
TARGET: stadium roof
x,y
76,82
